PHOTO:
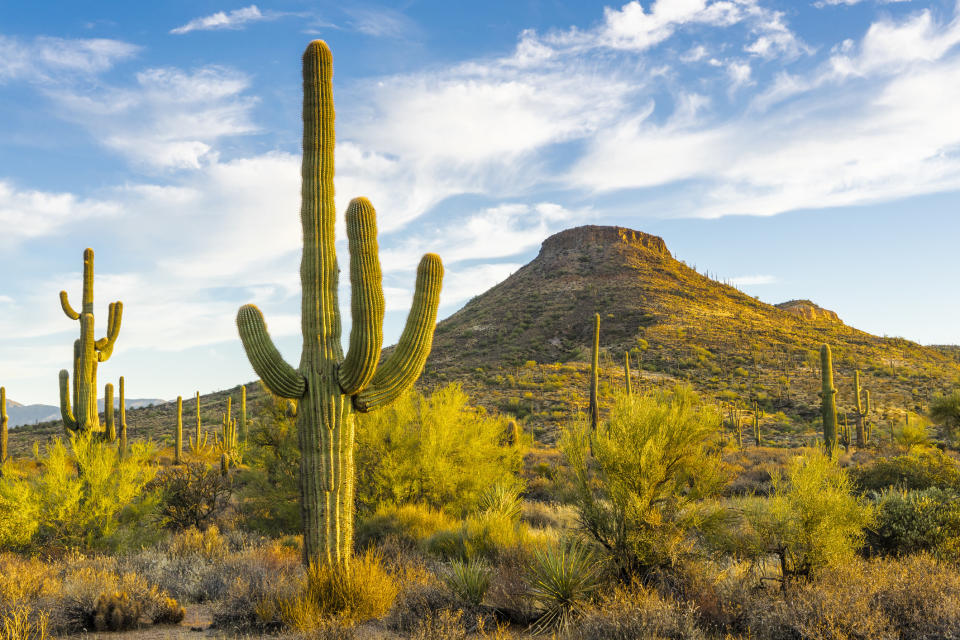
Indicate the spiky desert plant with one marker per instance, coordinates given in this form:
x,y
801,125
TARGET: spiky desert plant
x,y
328,387
3,427
111,426
626,372
88,352
562,579
595,375
178,434
123,420
828,398
861,410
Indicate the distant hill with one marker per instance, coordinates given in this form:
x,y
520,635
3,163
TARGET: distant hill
x,y
20,414
523,346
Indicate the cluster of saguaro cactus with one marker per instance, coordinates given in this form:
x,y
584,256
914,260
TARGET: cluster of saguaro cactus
x,y
178,434
757,415
84,416
327,385
736,424
861,410
226,441
595,375
3,428
198,442
828,398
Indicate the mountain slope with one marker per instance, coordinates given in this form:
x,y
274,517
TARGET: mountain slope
x,y
678,323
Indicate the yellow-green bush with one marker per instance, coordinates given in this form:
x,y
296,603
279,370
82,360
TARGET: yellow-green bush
x,y
434,450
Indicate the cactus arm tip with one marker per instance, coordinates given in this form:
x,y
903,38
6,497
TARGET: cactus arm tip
x,y
67,309
406,362
280,377
367,306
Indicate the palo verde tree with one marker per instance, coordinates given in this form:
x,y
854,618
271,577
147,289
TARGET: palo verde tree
x,y
327,386
88,352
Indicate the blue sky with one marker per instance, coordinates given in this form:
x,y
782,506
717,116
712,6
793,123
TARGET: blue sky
x,y
799,149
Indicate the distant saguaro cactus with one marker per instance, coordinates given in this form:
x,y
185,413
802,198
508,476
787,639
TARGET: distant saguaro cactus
x,y
199,424
87,353
861,410
328,387
111,426
3,427
828,398
123,420
626,372
757,414
243,414
178,434
595,375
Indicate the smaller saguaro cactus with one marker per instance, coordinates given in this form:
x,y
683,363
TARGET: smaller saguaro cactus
x,y
3,427
226,440
512,433
828,398
626,372
111,426
737,425
224,465
843,438
243,414
123,419
861,410
178,435
595,375
757,414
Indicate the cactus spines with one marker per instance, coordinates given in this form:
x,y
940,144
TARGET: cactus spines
x,y
83,416
626,372
111,426
3,426
328,387
595,375
178,434
861,409
123,420
828,398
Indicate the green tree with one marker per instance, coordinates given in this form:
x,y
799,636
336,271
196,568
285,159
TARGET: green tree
x,y
638,478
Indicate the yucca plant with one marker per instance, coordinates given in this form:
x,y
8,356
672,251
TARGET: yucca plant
x,y
502,499
562,580
468,580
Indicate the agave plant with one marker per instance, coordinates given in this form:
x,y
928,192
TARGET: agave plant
x,y
468,580
502,499
562,579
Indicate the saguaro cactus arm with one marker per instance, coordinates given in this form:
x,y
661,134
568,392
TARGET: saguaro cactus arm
x,y
406,362
104,346
366,301
280,377
67,309
66,411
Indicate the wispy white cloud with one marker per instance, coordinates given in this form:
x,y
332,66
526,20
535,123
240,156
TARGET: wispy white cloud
x,y
43,58
32,213
236,19
381,22
828,3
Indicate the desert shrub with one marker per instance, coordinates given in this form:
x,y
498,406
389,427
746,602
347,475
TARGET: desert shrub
x,y
434,450
115,612
468,580
925,470
811,521
413,523
25,579
636,612
945,409
192,495
443,625
650,463
24,623
562,578
85,496
269,500
357,592
913,521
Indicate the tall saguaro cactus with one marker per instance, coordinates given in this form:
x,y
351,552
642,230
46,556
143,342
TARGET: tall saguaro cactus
x,y
88,352
178,434
828,398
123,420
626,372
595,375
329,387
111,426
861,410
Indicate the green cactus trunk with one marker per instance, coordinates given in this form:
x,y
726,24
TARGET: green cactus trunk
x,y
123,420
595,375
861,410
828,398
243,414
329,387
111,426
178,434
757,414
3,428
84,415
626,372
